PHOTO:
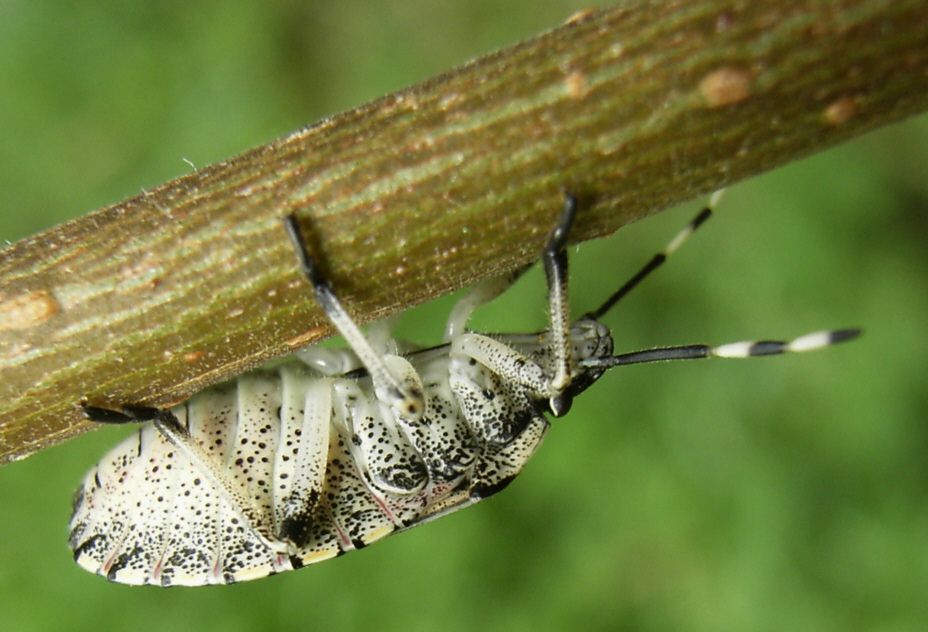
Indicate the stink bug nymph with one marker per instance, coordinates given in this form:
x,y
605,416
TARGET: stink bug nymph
x,y
335,449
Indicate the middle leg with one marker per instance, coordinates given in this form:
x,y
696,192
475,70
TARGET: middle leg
x,y
394,388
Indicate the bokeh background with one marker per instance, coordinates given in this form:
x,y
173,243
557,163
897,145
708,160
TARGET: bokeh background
x,y
774,494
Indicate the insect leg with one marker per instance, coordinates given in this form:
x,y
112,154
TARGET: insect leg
x,y
387,385
171,429
128,414
379,443
354,512
328,362
483,292
301,461
500,359
167,424
380,334
512,365
555,262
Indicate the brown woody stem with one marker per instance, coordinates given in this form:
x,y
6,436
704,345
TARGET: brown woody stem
x,y
427,190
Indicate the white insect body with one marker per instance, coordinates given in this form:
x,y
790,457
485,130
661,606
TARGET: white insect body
x,y
334,450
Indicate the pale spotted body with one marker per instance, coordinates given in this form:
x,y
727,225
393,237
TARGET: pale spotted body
x,y
335,449
167,523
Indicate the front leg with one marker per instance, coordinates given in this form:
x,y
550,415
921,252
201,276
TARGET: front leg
x,y
495,386
555,263
502,360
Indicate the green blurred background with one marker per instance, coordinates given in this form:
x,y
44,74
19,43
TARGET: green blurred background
x,y
781,494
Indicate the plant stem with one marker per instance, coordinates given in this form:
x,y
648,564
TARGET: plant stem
x,y
427,190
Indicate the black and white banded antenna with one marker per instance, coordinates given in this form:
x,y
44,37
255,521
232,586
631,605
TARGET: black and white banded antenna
x,y
657,260
744,349
732,350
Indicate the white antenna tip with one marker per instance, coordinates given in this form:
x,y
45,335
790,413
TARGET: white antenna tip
x,y
715,198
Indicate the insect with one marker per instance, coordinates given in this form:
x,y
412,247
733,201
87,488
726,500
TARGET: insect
x,y
336,449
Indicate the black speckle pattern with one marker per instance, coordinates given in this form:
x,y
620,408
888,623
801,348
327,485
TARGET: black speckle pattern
x,y
287,467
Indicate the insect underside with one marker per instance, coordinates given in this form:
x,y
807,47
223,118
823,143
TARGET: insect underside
x,y
336,449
